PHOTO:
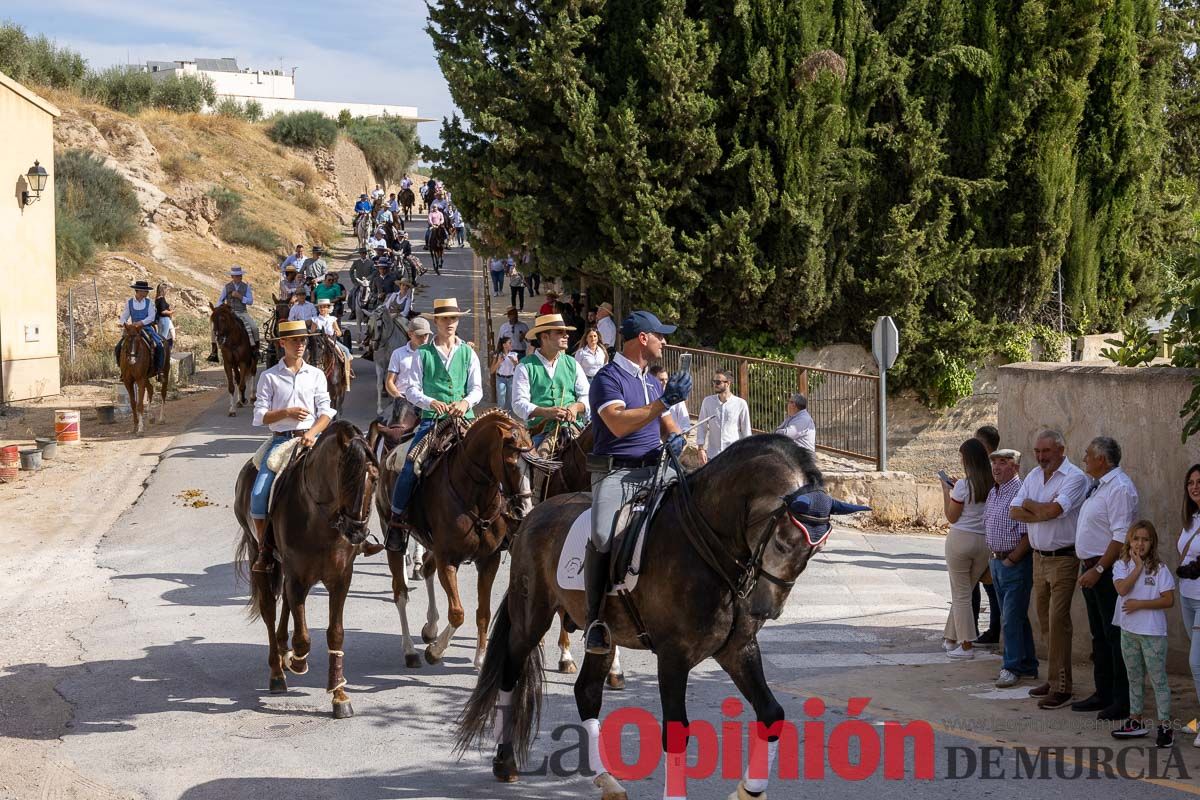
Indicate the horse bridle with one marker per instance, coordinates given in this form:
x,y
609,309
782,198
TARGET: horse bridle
x,y
481,524
342,517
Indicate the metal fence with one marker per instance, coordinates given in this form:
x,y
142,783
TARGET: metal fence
x,y
844,405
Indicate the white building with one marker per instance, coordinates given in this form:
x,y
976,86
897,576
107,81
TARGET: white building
x,y
273,89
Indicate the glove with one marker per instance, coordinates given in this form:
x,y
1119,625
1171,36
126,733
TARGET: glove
x,y
679,386
675,444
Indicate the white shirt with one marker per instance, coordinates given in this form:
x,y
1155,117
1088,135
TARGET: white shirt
x,y
278,388
515,331
971,520
1106,514
607,330
1146,621
523,407
302,311
591,362
405,183
1189,550
679,413
138,305
400,365
325,324
399,302
1067,486
416,377
731,421
377,193
375,242
801,429
508,364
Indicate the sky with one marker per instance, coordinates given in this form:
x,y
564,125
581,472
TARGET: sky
x,y
376,53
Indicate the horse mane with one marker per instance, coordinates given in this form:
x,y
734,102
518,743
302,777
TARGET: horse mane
x,y
763,445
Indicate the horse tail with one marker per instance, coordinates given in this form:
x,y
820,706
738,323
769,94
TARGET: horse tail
x,y
241,565
479,715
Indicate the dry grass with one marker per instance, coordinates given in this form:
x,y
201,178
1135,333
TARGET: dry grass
x,y
308,201
304,172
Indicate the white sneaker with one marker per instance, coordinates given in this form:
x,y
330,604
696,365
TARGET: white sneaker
x,y
948,646
1196,741
1007,678
959,654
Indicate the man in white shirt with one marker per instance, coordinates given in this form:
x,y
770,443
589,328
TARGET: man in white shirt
x,y
296,259
400,364
378,193
515,330
301,309
606,327
549,384
406,182
799,425
725,418
1048,502
1108,510
292,399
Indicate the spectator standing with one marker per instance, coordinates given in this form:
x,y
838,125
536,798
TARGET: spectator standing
x,y
516,287
1048,503
1189,571
590,355
1109,508
548,307
966,545
606,327
460,227
799,425
730,419
496,269
515,330
678,411
504,362
989,436
1012,570
1147,590
991,440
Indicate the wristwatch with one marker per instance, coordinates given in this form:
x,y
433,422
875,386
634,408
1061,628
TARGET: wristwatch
x,y
1099,569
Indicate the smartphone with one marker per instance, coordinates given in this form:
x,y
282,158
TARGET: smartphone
x,y
685,362
944,477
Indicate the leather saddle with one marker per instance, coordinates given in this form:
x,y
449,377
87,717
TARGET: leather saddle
x,y
631,525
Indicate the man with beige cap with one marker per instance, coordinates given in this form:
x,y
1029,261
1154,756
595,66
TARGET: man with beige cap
x,y
606,327
549,385
400,364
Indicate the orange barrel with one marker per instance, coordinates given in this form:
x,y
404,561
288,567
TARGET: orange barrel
x,y
10,463
66,427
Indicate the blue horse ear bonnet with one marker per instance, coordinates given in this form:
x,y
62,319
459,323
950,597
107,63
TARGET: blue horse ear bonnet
x,y
811,506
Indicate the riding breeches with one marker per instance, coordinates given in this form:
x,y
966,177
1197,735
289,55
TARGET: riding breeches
x,y
610,491
407,480
260,495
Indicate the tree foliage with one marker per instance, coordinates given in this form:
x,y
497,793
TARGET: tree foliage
x,y
38,61
303,129
389,144
796,168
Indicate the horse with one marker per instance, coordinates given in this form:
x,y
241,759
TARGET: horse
x,y
323,353
319,519
390,332
137,369
407,201
720,557
362,228
467,502
238,356
437,247
384,434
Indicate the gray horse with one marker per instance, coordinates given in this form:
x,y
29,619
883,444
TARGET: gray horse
x,y
391,331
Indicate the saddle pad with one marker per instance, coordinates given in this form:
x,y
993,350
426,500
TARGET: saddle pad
x,y
395,459
570,560
280,456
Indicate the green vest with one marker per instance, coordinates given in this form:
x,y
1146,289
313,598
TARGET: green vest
x,y
548,391
437,382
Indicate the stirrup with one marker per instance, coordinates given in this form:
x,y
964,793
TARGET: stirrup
x,y
603,649
263,558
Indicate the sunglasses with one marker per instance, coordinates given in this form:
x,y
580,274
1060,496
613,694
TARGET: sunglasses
x,y
719,383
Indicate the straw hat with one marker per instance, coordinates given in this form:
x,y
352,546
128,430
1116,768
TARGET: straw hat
x,y
291,329
236,271
548,322
448,307
324,301
606,307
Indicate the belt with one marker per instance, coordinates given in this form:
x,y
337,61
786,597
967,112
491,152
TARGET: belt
x,y
1088,563
1000,556
648,460
1069,550
289,434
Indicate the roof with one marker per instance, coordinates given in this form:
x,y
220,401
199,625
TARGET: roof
x,y
40,102
217,64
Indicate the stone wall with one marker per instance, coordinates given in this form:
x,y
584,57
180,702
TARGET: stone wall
x,y
1137,407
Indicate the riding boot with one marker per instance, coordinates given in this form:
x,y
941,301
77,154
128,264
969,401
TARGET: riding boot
x,y
265,561
397,534
595,575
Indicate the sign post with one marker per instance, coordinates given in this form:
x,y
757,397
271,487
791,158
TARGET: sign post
x,y
885,346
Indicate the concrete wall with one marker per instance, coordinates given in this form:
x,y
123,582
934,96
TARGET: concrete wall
x,y
329,108
1137,407
28,322
256,83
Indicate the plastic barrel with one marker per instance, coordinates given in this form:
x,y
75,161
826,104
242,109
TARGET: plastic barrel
x,y
10,463
66,426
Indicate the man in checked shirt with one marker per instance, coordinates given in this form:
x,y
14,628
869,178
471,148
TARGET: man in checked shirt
x,y
1012,570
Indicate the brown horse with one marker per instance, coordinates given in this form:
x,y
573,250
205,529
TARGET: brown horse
x,y
319,519
407,200
437,247
238,355
324,355
463,509
137,369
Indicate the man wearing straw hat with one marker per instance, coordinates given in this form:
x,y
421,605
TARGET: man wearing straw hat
x,y
292,399
443,381
237,294
549,385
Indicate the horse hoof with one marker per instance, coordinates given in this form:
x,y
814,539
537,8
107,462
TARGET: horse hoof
x,y
616,681
427,637
412,661
278,685
504,772
431,658
343,710
233,413
567,667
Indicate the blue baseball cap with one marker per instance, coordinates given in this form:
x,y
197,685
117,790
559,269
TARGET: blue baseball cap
x,y
644,322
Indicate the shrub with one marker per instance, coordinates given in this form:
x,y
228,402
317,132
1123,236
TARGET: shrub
x,y
98,198
1135,348
304,129
184,94
303,172
309,202
228,107
228,201
93,359
236,228
344,118
252,111
125,90
37,60
954,381
178,167
73,246
389,144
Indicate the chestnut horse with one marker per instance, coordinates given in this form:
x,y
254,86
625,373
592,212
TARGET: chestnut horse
x,y
464,507
137,369
324,355
238,355
319,519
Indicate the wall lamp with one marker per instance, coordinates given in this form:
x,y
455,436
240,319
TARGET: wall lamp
x,y
36,177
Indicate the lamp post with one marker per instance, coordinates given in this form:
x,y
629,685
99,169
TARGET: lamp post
x,y
36,178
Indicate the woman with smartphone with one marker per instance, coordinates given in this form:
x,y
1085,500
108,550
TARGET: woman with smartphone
x,y
966,545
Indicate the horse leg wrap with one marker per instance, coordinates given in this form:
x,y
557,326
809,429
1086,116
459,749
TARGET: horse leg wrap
x,y
754,782
504,718
336,679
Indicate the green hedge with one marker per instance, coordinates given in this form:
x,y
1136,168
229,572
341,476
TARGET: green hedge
x,y
304,129
96,208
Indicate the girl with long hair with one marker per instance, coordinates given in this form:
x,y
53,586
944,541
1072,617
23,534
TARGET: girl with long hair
x,y
967,553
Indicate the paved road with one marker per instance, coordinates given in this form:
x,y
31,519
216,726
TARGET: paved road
x,y
170,699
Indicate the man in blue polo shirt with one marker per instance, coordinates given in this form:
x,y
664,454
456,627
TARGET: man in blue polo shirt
x,y
632,419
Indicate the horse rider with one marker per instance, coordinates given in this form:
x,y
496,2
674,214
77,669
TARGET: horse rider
x,y
139,311
301,309
394,206
237,294
376,240
549,385
292,399
436,220
330,289
400,364
379,288
405,182
361,270
290,283
400,302
314,268
295,259
324,322
378,193
631,422
444,381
